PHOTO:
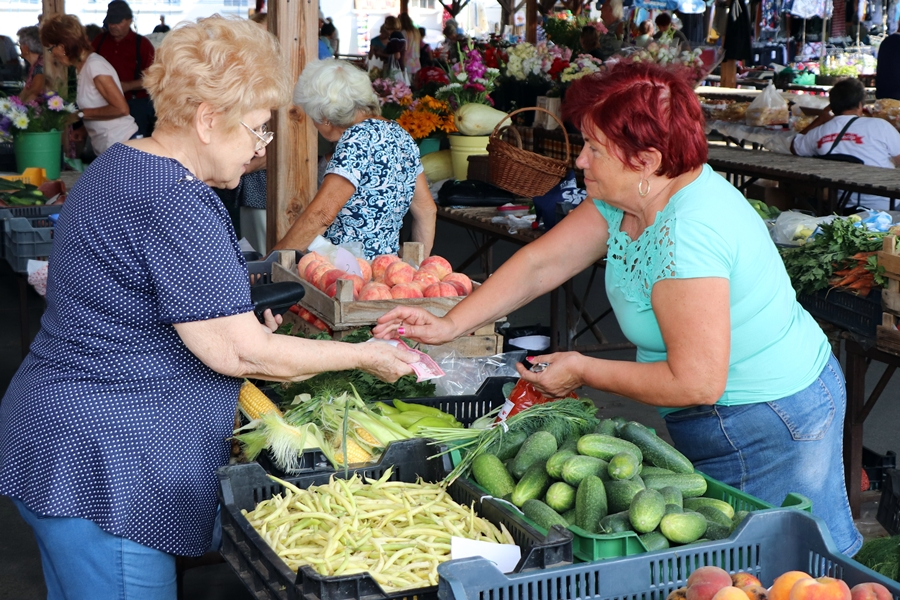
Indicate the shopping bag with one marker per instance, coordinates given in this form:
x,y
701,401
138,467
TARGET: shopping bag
x,y
769,108
396,73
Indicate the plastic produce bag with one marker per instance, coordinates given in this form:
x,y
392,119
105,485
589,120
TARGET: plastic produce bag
x,y
464,375
769,108
794,228
396,73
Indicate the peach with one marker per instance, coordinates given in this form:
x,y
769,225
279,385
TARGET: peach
x,y
460,278
426,278
442,265
307,272
460,289
755,592
870,591
781,587
398,272
308,258
365,269
329,277
821,588
435,270
315,273
358,283
375,291
381,263
679,594
331,290
705,582
729,592
406,290
742,580
436,290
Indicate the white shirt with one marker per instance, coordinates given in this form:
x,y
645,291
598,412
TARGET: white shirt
x,y
874,141
108,132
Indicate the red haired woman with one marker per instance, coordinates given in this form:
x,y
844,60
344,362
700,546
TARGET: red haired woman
x,y
742,374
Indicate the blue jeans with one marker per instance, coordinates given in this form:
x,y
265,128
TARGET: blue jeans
x,y
83,562
769,449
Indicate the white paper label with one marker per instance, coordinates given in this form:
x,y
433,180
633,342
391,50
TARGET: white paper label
x,y
345,261
505,556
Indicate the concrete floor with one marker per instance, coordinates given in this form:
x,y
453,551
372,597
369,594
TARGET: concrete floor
x,y
20,571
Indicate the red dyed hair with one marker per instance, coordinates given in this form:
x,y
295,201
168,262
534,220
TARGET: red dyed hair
x,y
641,107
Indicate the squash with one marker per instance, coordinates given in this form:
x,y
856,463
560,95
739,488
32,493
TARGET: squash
x,y
437,166
478,119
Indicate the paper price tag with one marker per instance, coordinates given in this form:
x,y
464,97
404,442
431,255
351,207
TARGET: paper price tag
x,y
505,556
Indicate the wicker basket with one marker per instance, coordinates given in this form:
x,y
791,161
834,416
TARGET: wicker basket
x,y
519,171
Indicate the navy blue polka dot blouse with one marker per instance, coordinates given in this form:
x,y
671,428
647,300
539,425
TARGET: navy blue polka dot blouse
x,y
110,417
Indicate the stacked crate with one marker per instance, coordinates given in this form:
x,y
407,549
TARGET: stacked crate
x,y
888,334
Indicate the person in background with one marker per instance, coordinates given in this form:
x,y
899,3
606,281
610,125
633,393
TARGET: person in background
x,y
709,308
590,41
412,56
611,13
33,52
92,30
101,103
326,34
874,142
114,425
334,39
374,176
384,47
162,27
129,54
887,72
10,67
426,56
645,34
664,26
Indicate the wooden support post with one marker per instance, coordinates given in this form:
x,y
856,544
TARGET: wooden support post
x,y
531,14
404,6
293,154
55,74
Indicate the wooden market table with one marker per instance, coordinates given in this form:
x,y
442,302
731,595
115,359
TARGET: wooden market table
x,y
485,234
744,167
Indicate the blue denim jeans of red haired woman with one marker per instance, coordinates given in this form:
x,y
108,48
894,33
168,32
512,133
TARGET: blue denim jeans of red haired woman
x,y
770,449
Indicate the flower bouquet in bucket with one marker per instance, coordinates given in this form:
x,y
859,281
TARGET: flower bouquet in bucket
x,y
48,112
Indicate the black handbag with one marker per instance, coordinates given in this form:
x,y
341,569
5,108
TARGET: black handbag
x,y
472,193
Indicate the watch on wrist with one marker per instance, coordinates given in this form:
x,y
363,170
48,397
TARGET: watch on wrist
x,y
80,114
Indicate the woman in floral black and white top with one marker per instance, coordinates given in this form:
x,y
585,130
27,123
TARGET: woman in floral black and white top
x,y
374,177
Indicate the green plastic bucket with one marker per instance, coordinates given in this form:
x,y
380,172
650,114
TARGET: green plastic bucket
x,y
39,150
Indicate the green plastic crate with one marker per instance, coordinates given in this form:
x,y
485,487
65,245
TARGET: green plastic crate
x,y
590,547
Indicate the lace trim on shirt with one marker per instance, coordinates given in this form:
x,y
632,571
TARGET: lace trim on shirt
x,y
637,265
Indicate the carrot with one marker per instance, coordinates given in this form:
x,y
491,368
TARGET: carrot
x,y
861,283
843,272
847,280
863,255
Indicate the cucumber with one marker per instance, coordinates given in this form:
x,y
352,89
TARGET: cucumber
x,y
683,528
654,540
490,474
560,497
509,445
533,485
570,444
615,523
672,495
590,504
539,446
655,450
673,508
720,505
569,516
606,446
544,516
646,510
718,525
606,427
619,493
738,517
555,463
624,465
651,470
578,467
690,484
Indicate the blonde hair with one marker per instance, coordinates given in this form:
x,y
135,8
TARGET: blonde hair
x,y
335,91
232,64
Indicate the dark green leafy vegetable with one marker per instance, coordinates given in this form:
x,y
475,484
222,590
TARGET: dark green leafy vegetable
x,y
882,555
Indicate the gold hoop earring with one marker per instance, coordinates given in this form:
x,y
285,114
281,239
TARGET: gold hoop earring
x,y
641,192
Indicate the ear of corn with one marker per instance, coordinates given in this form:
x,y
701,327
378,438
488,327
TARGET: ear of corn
x,y
354,453
253,403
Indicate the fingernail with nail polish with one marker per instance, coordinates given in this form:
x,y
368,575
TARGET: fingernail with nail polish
x,y
401,331
529,358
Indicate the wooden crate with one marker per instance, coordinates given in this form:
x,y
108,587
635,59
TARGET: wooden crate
x,y
887,336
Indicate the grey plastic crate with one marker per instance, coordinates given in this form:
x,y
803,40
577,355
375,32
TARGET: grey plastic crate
x,y
26,212
27,238
766,545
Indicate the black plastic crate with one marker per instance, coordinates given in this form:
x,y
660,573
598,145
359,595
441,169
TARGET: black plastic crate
x,y
267,577
889,507
467,409
766,544
876,465
848,311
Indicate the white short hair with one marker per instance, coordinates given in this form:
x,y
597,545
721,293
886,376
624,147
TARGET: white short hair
x,y
617,8
335,91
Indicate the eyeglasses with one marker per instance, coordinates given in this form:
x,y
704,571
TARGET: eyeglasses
x,y
265,136
51,48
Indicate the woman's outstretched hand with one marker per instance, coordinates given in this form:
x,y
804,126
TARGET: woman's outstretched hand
x,y
416,324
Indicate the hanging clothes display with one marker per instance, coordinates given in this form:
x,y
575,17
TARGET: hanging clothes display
x,y
693,28
737,32
807,9
770,20
691,7
839,18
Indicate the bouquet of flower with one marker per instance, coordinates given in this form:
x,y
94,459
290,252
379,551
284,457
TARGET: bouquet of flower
x,y
471,82
394,96
47,112
427,116
565,30
686,64
537,62
583,64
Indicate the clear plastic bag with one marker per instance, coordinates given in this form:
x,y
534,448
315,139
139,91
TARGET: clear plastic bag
x,y
464,375
769,108
794,228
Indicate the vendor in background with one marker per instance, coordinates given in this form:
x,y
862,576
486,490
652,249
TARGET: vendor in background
x,y
590,41
743,375
874,142
611,13
33,52
887,73
645,34
100,100
114,425
374,177
664,26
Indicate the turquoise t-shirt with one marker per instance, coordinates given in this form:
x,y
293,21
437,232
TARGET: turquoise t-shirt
x,y
708,229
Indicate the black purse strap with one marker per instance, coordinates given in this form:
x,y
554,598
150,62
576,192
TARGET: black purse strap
x,y
837,140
